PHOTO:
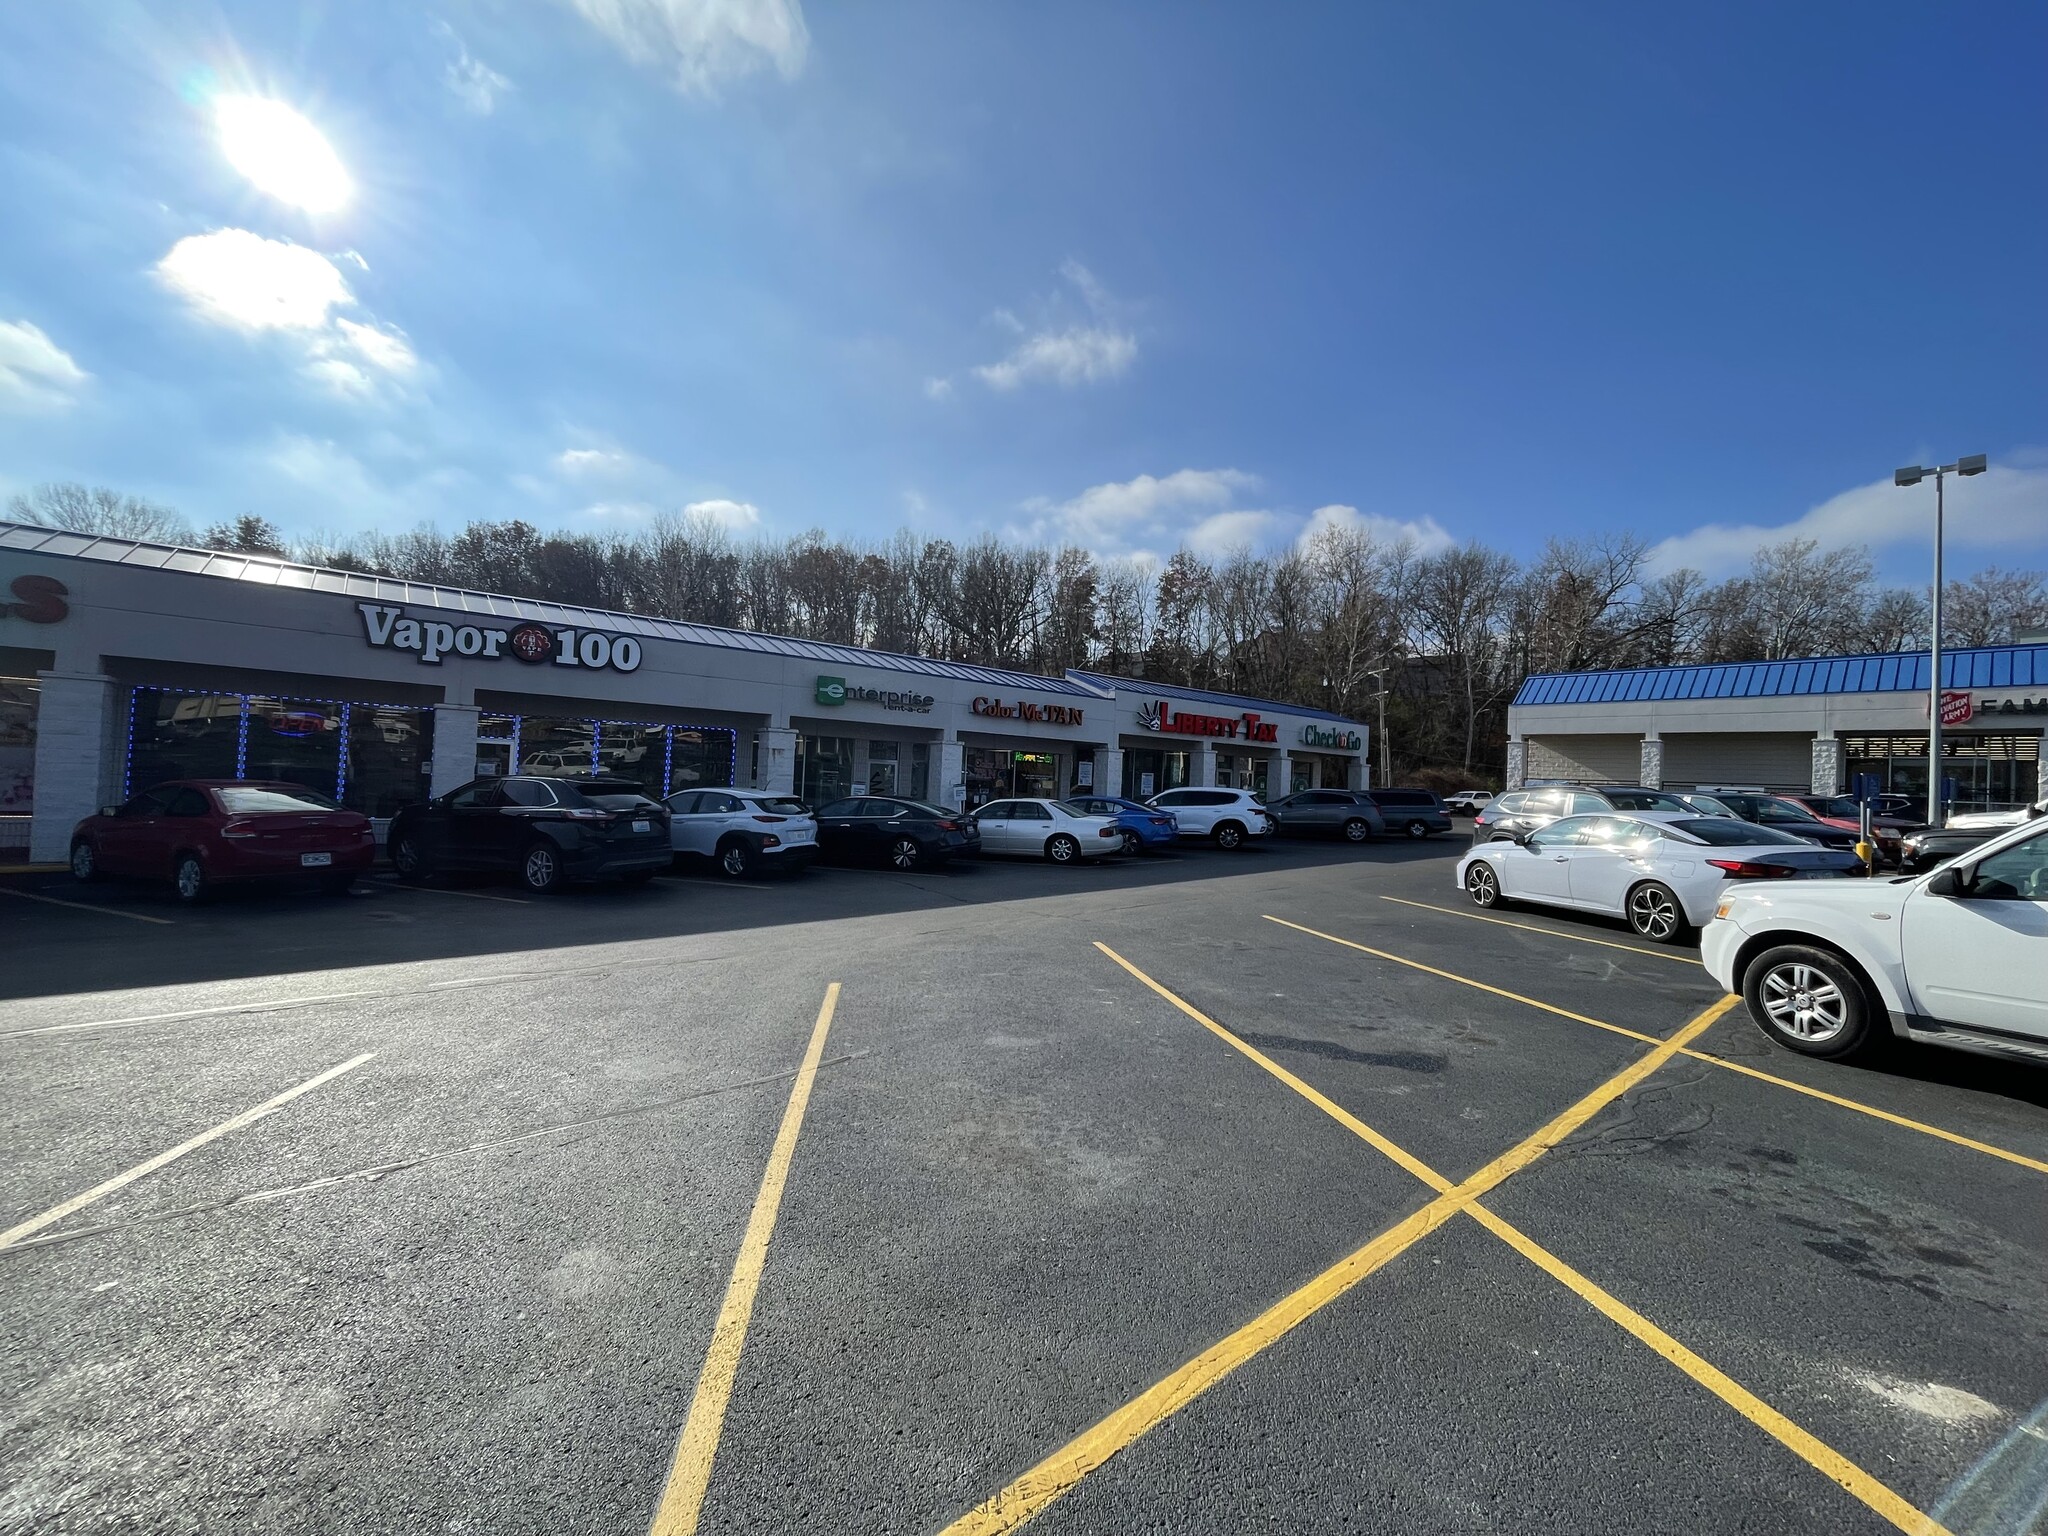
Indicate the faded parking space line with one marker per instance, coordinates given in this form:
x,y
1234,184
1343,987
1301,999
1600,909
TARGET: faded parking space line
x,y
437,890
1031,1494
80,906
57,1213
1553,933
1922,1127
682,1496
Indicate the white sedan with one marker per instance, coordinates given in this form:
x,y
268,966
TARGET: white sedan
x,y
1662,870
1047,829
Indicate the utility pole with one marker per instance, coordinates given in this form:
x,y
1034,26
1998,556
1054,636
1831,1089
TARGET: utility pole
x,y
1968,464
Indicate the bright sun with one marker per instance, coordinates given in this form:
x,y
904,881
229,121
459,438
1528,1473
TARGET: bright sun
x,y
281,153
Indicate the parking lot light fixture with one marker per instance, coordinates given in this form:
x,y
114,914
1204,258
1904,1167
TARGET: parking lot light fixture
x,y
1913,474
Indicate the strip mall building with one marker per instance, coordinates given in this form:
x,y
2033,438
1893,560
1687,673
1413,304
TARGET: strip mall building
x,y
125,663
1804,726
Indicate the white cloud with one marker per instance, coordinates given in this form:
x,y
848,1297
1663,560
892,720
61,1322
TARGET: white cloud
x,y
1425,533
1062,350
1085,354
735,515
475,86
340,375
34,371
703,43
938,389
592,461
1224,531
1115,517
237,278
2005,508
382,346
619,511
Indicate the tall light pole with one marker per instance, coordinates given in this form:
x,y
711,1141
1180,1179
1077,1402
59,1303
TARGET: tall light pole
x,y
1386,770
1913,474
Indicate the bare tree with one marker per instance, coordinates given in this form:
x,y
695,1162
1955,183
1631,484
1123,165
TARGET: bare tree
x,y
247,535
1992,607
98,509
1458,606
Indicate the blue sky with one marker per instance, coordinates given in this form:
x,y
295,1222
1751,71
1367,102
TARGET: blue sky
x,y
1134,275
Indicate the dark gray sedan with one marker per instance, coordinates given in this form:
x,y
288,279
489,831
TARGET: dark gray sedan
x,y
1344,813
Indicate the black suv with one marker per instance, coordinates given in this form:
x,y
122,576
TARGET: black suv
x,y
1416,812
548,831
1527,810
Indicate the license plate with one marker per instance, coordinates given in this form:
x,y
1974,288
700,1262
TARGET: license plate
x,y
316,860
643,826
800,835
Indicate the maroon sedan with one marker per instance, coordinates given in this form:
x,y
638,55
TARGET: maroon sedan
x,y
199,833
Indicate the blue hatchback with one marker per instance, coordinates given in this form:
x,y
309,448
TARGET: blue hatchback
x,y
1142,826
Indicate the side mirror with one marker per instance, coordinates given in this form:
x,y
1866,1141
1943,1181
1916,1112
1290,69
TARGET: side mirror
x,y
1953,880
1520,839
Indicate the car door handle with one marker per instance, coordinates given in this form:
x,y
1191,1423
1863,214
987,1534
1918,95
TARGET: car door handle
x,y
1560,858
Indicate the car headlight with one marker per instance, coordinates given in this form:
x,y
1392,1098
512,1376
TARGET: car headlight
x,y
1724,909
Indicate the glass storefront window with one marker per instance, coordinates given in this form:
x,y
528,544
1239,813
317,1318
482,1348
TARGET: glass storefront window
x,y
700,757
387,751
564,747
1037,774
18,698
824,768
297,741
178,735
882,763
638,752
920,770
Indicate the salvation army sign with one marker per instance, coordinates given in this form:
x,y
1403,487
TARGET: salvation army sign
x,y
433,640
1957,708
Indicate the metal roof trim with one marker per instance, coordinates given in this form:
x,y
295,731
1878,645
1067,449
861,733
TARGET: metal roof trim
x,y
1970,667
1112,684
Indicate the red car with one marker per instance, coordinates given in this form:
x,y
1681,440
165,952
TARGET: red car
x,y
1888,832
199,833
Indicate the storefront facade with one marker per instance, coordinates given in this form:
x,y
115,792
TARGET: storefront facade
x,y
1807,726
1167,738
123,664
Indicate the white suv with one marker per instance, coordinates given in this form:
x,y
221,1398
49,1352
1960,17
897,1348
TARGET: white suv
x,y
1956,957
743,830
1227,815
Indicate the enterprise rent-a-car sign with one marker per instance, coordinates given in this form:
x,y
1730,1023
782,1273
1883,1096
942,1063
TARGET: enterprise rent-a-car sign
x,y
433,640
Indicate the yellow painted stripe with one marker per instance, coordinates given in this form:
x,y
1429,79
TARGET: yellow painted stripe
x,y
80,906
1548,933
1030,1494
682,1497
2019,1159
1816,1453
1466,981
57,1213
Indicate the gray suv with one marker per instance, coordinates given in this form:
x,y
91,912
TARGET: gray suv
x,y
1416,813
1529,810
1344,813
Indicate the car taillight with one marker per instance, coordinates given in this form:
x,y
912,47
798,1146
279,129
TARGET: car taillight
x,y
947,826
1744,869
575,813
759,817
1108,832
239,829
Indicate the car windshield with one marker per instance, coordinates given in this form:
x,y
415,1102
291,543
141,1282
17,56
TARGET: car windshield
x,y
245,801
1644,800
1725,832
609,795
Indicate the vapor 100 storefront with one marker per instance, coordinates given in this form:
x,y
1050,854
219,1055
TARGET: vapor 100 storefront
x,y
123,664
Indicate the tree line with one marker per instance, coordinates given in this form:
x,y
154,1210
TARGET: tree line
x,y
1331,622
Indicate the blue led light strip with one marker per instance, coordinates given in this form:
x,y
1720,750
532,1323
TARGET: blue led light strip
x,y
242,728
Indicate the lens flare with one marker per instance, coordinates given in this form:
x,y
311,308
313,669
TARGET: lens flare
x,y
281,153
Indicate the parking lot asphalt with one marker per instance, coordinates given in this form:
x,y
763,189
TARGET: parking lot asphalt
x,y
1201,1193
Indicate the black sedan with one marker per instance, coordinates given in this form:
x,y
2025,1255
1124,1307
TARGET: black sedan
x,y
872,829
548,831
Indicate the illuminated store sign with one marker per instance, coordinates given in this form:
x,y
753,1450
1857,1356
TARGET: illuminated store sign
x,y
1024,709
1161,717
434,640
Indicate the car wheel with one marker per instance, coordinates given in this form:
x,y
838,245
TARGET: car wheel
x,y
1809,1000
905,854
409,860
188,875
1229,835
1133,844
1482,885
540,868
1357,830
1417,830
1654,912
1062,849
85,863
339,883
736,859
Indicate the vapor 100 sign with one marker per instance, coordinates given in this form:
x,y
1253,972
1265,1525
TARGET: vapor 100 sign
x,y
434,641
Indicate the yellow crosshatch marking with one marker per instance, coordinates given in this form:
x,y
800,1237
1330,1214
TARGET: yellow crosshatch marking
x,y
1029,1495
2020,1159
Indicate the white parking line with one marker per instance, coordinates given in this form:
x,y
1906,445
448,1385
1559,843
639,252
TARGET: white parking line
x,y
57,1213
435,890
79,906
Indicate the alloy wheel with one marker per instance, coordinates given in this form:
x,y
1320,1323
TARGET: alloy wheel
x,y
539,868
735,860
1417,830
1062,850
83,865
1357,831
1653,913
191,878
1803,1001
1229,835
1483,885
1132,842
903,853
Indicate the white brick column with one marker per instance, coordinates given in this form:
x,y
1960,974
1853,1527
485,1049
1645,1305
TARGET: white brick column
x,y
1202,765
1827,765
775,765
1280,777
79,742
1518,762
454,747
1109,771
1652,774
